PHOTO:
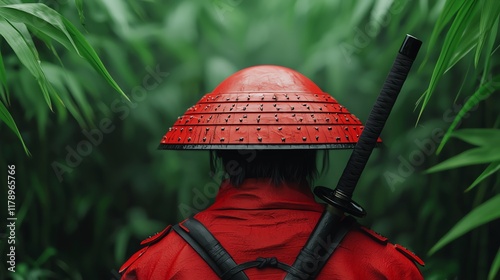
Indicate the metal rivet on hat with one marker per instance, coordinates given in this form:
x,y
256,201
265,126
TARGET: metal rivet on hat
x,y
222,139
228,107
304,138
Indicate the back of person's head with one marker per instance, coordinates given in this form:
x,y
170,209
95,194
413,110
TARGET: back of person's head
x,y
280,166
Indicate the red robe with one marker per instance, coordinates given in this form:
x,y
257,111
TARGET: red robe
x,y
258,219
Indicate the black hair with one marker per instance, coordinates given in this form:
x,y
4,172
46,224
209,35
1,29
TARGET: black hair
x,y
280,166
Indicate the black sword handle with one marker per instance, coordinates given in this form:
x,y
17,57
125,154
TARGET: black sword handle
x,y
313,256
341,197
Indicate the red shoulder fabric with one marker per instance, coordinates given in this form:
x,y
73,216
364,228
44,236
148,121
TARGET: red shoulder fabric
x,y
261,220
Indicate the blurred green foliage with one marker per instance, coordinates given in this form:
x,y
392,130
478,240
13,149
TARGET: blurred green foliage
x,y
95,185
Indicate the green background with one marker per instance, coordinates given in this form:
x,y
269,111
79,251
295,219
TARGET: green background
x,y
85,222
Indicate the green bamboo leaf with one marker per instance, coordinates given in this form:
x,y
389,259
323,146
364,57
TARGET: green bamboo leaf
x,y
481,94
484,213
25,54
489,51
489,15
490,170
4,89
494,266
6,117
450,9
451,42
45,256
58,80
469,157
38,16
468,43
79,7
44,20
91,56
479,136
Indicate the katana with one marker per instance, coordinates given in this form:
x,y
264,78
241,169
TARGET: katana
x,y
339,201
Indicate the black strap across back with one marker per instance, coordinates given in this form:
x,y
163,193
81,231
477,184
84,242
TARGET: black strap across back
x,y
307,265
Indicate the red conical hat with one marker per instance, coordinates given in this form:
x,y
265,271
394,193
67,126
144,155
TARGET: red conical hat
x,y
265,107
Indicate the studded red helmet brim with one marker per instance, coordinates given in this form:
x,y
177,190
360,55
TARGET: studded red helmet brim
x,y
264,107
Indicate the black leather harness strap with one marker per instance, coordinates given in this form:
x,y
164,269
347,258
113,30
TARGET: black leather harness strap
x,y
318,249
205,244
263,263
308,264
